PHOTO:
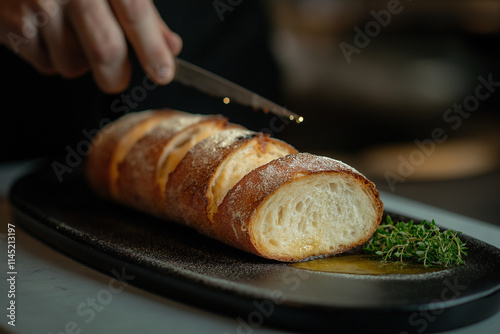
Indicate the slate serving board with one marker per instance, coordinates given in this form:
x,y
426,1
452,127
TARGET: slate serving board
x,y
178,263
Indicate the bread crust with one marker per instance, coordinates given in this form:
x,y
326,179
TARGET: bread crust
x,y
237,212
138,183
189,184
198,193
102,155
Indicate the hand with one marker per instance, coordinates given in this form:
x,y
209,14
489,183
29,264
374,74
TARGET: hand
x,y
71,37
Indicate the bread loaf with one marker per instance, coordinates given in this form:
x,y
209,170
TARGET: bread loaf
x,y
243,188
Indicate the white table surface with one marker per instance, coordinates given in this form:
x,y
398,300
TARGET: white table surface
x,y
53,290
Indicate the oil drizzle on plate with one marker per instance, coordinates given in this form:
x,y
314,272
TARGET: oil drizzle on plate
x,y
362,264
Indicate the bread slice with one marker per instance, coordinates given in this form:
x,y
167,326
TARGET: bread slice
x,y
144,172
112,144
299,207
212,167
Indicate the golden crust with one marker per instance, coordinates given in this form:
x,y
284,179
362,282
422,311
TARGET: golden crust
x,y
103,153
165,163
236,213
138,183
188,184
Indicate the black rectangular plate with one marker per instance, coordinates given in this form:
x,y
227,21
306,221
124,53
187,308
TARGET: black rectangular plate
x,y
177,262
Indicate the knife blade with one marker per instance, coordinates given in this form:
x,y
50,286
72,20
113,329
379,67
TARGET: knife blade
x,y
207,82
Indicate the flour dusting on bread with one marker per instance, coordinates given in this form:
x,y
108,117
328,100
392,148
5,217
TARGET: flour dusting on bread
x,y
241,187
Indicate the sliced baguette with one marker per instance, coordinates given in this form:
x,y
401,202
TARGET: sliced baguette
x,y
243,188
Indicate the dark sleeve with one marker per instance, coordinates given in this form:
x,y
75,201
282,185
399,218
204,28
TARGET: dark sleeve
x,y
47,115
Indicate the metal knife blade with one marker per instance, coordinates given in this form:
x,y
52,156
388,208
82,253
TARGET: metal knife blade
x,y
212,84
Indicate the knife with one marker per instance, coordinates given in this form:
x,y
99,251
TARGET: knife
x,y
212,84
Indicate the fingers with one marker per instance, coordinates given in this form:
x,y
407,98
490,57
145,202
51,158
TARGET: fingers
x,y
35,52
18,33
154,44
103,43
64,49
42,36
174,41
80,35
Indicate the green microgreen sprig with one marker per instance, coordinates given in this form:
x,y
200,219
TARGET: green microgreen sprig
x,y
423,243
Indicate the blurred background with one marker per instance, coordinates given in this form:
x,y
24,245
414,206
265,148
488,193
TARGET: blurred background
x,y
392,88
407,92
